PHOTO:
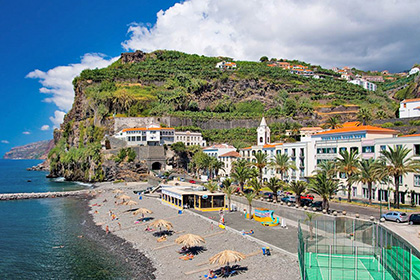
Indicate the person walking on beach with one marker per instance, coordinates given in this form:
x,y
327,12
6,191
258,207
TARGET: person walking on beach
x,y
107,229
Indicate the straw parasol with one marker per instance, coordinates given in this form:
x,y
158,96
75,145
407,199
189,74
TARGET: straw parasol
x,y
225,257
118,191
190,240
130,202
123,196
161,224
142,211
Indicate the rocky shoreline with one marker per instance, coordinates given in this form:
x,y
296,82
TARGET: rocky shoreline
x,y
18,196
140,266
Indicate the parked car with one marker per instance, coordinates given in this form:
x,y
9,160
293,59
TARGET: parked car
x,y
290,199
191,181
396,216
414,219
268,195
305,202
317,205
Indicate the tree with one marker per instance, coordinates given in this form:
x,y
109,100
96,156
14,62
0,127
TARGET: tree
x,y
260,162
241,174
211,186
310,216
364,116
274,184
333,122
216,166
256,185
250,197
324,187
282,163
298,187
348,164
228,189
368,175
290,107
327,166
263,59
397,163
381,115
180,150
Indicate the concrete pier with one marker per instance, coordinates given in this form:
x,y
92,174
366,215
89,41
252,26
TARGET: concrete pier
x,y
16,196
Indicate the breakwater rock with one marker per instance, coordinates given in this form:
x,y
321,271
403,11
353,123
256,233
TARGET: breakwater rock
x,y
16,196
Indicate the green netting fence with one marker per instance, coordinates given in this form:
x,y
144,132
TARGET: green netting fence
x,y
354,249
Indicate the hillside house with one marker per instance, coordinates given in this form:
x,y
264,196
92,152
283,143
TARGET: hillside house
x,y
365,84
414,70
410,108
226,65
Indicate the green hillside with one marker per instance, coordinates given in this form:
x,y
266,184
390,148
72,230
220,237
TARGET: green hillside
x,y
184,85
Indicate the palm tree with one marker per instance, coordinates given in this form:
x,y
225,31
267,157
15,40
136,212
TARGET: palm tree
x,y
256,185
298,187
327,166
368,175
211,186
250,197
310,216
260,162
364,116
216,166
349,164
397,164
241,174
333,122
324,187
274,184
282,163
380,115
228,189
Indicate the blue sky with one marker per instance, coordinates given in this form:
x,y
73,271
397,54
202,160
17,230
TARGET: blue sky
x,y
45,44
45,34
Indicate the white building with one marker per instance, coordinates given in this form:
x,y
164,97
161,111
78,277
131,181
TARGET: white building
x,y
410,108
190,138
155,135
365,84
413,71
263,132
218,149
226,65
228,159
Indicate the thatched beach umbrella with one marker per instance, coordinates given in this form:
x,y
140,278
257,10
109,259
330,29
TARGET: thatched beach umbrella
x,y
124,196
130,202
227,256
142,211
161,224
190,240
118,191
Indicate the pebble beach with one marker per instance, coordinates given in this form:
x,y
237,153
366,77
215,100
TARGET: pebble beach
x,y
164,256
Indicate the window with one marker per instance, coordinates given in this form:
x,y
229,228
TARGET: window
x,y
417,180
354,149
343,149
302,152
368,149
417,149
138,138
278,152
383,147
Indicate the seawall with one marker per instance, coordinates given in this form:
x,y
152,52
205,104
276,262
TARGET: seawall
x,y
16,196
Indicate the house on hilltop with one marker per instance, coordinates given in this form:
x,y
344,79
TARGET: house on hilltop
x,y
226,65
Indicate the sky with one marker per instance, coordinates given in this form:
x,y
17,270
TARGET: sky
x,y
45,44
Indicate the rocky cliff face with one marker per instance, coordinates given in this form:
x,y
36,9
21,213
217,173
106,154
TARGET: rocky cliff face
x,y
36,150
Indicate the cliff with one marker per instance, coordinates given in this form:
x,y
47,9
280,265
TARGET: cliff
x,y
36,150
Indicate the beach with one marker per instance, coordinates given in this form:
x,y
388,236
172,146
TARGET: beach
x,y
163,256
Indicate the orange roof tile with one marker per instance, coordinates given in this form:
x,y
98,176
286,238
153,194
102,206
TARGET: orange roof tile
x,y
145,128
410,100
231,154
247,148
272,145
348,127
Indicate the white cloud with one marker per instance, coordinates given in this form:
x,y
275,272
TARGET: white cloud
x,y
58,117
45,127
57,82
374,34
26,132
4,142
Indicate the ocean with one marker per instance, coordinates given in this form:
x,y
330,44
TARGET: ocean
x,y
48,238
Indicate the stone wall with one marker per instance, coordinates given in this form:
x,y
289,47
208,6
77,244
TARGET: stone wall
x,y
121,123
151,154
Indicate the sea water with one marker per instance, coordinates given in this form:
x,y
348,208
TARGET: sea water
x,y
43,238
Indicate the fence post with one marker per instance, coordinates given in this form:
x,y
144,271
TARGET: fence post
x,y
355,262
